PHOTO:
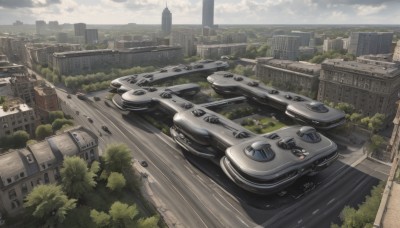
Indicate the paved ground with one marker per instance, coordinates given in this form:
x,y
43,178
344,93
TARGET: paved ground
x,y
391,218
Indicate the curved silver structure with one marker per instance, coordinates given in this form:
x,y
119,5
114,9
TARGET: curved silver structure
x,y
298,107
258,163
126,83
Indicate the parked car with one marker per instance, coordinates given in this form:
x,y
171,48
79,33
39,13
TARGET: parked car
x,y
105,128
96,98
69,96
144,163
90,120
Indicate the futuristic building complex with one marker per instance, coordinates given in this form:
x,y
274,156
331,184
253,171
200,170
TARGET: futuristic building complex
x,y
300,108
129,82
258,163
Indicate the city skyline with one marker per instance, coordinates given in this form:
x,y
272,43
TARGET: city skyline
x,y
190,11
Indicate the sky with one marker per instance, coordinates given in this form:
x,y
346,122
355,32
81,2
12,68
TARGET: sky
x,y
189,11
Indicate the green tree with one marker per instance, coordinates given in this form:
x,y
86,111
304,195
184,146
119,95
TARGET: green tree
x,y
345,107
262,50
376,142
43,131
365,121
19,139
375,123
55,115
116,181
355,117
76,178
59,123
31,141
117,158
101,219
49,204
151,222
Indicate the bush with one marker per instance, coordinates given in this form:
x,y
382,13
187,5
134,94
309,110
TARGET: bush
x,y
59,123
43,131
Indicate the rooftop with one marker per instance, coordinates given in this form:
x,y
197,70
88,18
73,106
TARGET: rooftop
x,y
13,109
303,67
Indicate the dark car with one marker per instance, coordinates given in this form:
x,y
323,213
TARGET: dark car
x,y
105,128
96,98
144,163
69,96
90,120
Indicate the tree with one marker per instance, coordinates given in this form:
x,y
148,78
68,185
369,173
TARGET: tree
x,y
31,141
151,222
19,139
355,118
55,115
262,51
101,219
59,123
49,204
116,181
43,131
345,107
375,123
123,214
376,142
76,178
117,158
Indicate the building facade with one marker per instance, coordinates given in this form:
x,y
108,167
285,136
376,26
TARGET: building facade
x,y
42,53
215,51
305,37
91,36
370,86
23,87
46,101
40,27
208,13
396,54
333,44
366,43
80,62
15,116
40,163
184,39
79,29
299,77
166,22
285,47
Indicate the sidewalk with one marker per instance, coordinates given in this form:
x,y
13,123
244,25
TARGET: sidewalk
x,y
391,218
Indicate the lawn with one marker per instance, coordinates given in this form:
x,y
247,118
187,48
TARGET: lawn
x,y
263,125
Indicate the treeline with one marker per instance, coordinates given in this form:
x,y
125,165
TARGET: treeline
x,y
90,82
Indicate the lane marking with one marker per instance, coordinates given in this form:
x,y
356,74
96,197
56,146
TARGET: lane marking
x,y
331,201
300,221
315,212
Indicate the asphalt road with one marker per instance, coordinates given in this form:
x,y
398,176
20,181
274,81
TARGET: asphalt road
x,y
199,194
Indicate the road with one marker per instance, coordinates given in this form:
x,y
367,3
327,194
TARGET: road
x,y
197,192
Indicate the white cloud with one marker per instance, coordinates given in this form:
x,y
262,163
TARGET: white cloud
x,y
366,10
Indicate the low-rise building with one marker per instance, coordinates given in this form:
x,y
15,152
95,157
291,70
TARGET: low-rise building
x,y
80,62
370,86
40,163
15,116
299,77
215,51
42,53
46,101
333,44
22,87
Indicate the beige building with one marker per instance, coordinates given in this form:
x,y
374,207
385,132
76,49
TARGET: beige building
x,y
15,116
333,44
370,86
396,54
185,39
299,77
23,87
80,62
215,51
40,163
42,53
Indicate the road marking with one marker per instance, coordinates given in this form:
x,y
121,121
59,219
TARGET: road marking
x,y
331,201
315,212
300,221
188,169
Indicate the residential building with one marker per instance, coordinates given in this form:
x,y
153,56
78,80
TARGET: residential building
x,y
215,51
230,38
91,36
166,22
8,69
396,54
46,101
307,52
285,47
42,53
185,39
40,27
366,43
208,13
16,115
5,87
299,77
53,25
62,37
126,44
23,87
305,37
370,86
346,43
333,44
79,29
80,62
40,163
13,48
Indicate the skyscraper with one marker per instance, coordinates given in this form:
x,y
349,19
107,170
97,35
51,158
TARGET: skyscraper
x,y
166,22
40,26
79,29
367,43
91,36
208,13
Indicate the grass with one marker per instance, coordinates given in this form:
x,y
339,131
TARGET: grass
x,y
262,126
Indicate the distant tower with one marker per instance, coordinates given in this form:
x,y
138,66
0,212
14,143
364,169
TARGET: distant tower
x,y
208,13
79,29
166,21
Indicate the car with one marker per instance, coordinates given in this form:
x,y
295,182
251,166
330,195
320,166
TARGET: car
x,y
69,96
105,128
90,120
144,163
96,98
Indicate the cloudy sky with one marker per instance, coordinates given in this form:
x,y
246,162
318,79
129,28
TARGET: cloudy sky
x,y
189,11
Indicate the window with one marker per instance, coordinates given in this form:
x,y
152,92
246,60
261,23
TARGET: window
x,y
12,194
24,188
39,181
46,178
15,204
9,180
22,174
91,153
